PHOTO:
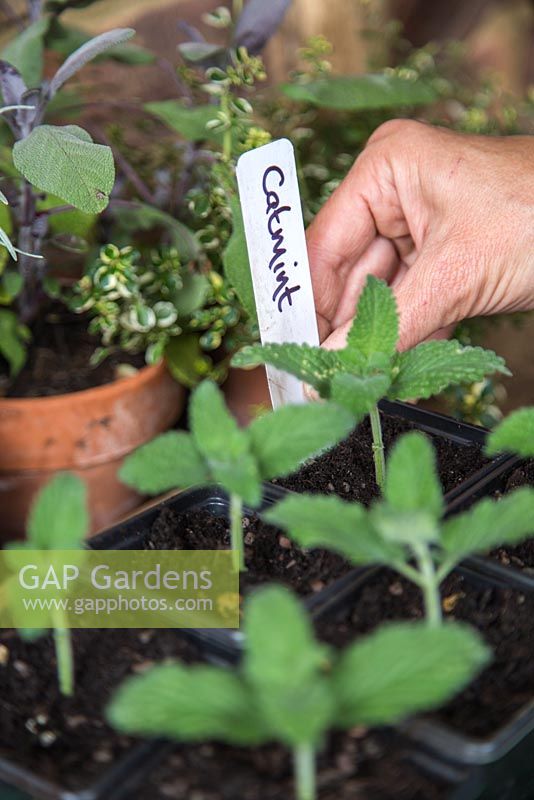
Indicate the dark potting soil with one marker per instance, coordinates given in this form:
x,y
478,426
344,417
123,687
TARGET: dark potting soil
x,y
67,740
59,360
520,556
269,555
505,618
355,766
348,469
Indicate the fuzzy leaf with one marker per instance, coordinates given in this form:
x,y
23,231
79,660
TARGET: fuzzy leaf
x,y
431,367
223,444
58,518
404,668
283,439
85,53
65,162
515,434
236,264
313,365
361,92
321,521
489,524
258,22
189,121
12,341
412,483
25,51
169,461
376,326
291,691
188,704
358,394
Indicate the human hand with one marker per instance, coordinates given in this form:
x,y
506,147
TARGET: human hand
x,y
446,219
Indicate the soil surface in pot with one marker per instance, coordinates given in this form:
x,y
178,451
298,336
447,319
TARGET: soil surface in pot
x,y
269,555
355,766
59,360
67,740
504,617
348,469
522,555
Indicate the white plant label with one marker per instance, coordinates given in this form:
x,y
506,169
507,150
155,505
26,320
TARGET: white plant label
x,y
276,243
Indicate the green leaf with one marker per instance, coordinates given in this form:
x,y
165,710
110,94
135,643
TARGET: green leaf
x,y
405,668
313,365
25,52
189,121
58,518
321,521
431,367
223,444
169,461
489,524
283,439
412,483
186,361
65,162
188,704
12,341
72,221
361,92
358,394
376,326
199,51
141,217
284,663
236,264
192,295
515,434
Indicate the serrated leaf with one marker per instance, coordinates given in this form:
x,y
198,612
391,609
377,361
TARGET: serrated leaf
x,y
283,439
320,521
376,326
313,365
85,53
515,434
412,483
25,51
169,461
489,524
189,121
12,342
223,444
431,367
65,162
283,663
405,668
236,264
361,92
188,704
358,394
58,518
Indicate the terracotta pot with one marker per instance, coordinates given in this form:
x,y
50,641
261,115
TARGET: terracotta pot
x,y
246,392
89,432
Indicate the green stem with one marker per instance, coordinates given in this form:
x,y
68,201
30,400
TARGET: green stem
x,y
227,135
429,584
304,771
236,532
237,8
64,660
378,448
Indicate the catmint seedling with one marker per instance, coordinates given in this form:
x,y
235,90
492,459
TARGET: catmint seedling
x,y
58,520
217,450
404,530
515,434
292,689
369,368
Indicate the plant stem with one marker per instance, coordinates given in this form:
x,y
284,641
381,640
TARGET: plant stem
x,y
378,448
236,532
227,135
65,669
304,771
237,8
429,584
